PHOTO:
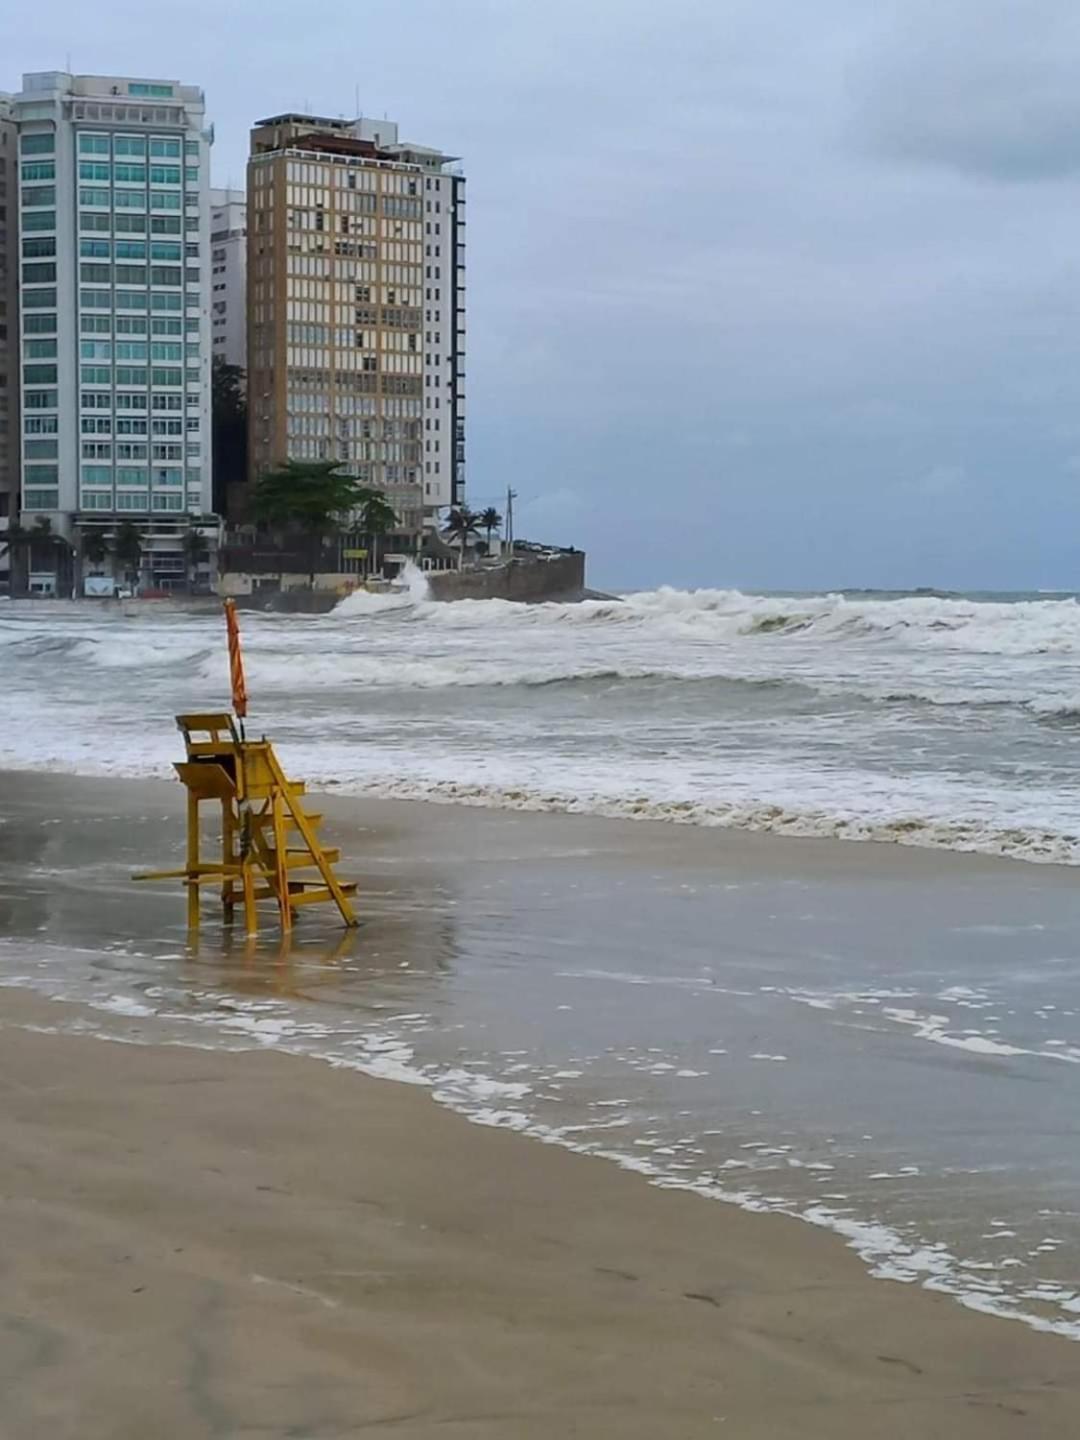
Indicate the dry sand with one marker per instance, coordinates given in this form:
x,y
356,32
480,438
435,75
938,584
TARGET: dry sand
x,y
204,1244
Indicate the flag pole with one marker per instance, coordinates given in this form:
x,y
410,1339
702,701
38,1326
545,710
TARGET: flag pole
x,y
236,665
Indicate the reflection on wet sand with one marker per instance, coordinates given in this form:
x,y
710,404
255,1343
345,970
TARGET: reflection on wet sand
x,y
65,883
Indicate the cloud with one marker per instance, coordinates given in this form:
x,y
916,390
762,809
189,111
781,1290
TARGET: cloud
x,y
989,88
551,515
941,480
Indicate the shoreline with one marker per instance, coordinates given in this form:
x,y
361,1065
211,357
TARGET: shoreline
x,y
384,840
246,1244
1058,852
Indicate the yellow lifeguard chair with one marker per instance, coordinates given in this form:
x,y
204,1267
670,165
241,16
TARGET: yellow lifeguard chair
x,y
268,839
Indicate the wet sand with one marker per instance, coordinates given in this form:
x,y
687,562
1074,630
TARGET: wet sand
x,y
207,1244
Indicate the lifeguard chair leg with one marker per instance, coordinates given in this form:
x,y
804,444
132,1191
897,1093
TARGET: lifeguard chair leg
x,y
251,919
281,857
192,861
228,855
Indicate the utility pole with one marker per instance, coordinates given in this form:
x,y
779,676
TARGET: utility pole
x,y
511,496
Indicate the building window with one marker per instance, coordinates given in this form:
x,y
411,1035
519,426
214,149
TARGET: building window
x,y
39,375
39,449
37,195
38,246
40,499
134,145
41,143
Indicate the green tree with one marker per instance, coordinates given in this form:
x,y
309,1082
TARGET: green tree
x,y
196,551
128,549
16,542
311,497
45,550
376,518
489,520
228,428
460,524
95,548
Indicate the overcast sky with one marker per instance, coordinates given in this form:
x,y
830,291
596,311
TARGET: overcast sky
x,y
771,293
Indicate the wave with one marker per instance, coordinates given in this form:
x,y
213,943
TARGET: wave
x,y
977,837
989,627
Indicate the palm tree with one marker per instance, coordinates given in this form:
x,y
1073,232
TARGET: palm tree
x,y
377,519
460,524
37,547
310,496
196,551
489,520
95,548
128,548
16,541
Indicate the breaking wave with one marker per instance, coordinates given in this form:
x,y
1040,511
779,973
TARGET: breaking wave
x,y
919,720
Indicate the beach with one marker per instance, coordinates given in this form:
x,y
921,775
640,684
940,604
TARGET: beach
x,y
210,1241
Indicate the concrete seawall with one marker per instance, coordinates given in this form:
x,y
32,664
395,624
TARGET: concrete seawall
x,y
557,577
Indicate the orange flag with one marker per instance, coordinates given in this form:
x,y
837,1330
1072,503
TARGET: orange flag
x,y
236,661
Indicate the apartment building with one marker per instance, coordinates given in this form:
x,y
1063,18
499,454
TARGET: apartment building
x,y
228,276
9,331
114,286
356,308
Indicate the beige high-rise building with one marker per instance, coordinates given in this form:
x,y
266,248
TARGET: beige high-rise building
x,y
356,308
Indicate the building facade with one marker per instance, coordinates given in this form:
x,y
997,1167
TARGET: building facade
x,y
228,276
114,287
356,308
9,331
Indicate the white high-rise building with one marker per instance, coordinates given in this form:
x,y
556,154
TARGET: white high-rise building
x,y
9,331
114,234
228,276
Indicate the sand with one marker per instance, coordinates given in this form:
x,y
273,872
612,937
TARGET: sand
x,y
198,1243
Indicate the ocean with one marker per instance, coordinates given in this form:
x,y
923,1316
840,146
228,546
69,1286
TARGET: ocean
x,y
894,1054
943,722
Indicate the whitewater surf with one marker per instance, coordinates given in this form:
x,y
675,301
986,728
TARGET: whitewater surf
x,y
914,719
